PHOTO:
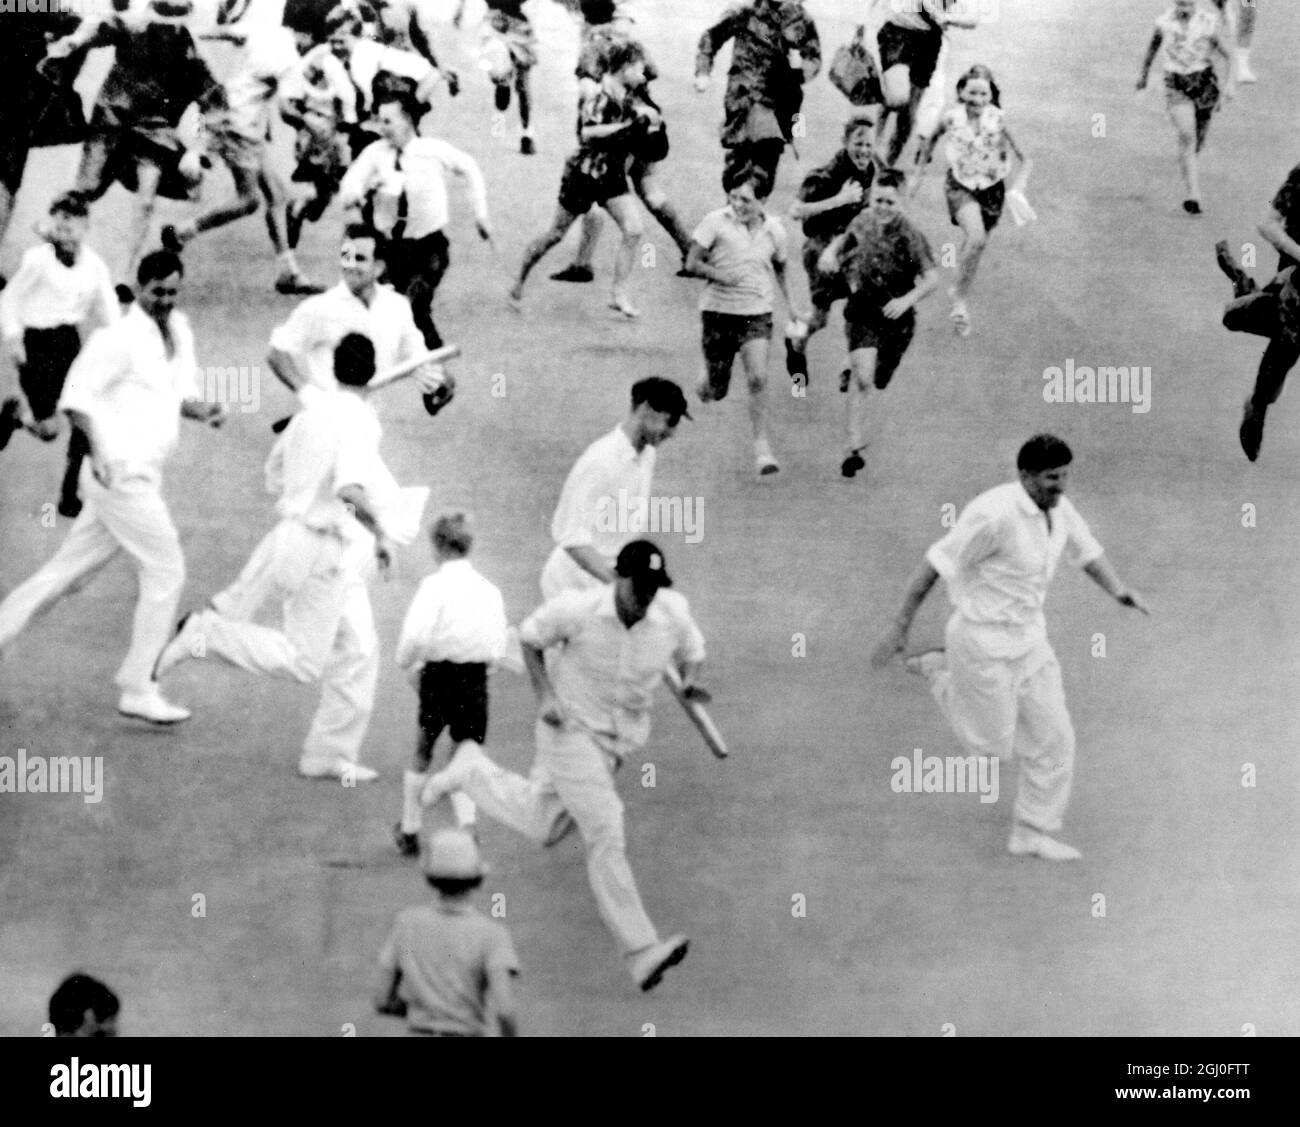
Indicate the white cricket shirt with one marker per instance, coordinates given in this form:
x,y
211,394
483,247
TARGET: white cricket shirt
x,y
456,615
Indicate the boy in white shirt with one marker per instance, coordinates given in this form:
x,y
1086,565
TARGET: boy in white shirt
x,y
59,285
454,629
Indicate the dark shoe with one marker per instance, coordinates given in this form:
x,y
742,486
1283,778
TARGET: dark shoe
x,y
70,506
1192,207
293,220
10,416
796,362
845,376
125,295
296,284
852,464
1242,283
501,97
685,273
170,239
1251,431
526,145
574,273
408,845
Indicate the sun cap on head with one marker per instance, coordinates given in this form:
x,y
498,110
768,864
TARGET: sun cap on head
x,y
643,562
453,855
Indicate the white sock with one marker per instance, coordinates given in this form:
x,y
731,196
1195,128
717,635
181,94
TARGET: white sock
x,y
412,783
463,807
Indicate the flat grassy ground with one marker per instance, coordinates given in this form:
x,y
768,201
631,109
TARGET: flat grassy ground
x,y
915,917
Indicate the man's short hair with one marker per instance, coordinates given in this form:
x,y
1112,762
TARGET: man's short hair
x,y
75,995
890,178
660,395
354,360
70,203
365,231
733,178
1043,452
159,264
404,100
622,53
342,19
453,533
858,119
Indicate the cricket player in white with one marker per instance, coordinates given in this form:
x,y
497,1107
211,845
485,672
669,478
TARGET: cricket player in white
x,y
613,476
999,683
125,393
595,657
328,474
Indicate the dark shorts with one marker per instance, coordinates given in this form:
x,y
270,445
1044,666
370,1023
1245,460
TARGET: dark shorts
x,y
50,353
916,50
579,193
991,200
1201,88
723,337
322,158
454,697
15,142
823,289
866,326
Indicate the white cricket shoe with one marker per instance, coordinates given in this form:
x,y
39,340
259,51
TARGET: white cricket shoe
x,y
648,965
927,664
1030,843
152,706
342,769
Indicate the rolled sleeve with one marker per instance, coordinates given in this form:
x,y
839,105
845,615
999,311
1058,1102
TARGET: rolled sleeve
x,y
553,622
301,332
972,539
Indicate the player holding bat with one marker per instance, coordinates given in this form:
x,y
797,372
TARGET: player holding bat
x,y
594,657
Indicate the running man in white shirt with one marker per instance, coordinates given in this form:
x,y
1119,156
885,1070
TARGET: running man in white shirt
x,y
454,631
595,658
399,184
612,477
327,471
60,285
999,683
126,393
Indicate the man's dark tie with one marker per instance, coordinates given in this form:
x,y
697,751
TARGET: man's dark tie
x,y
403,204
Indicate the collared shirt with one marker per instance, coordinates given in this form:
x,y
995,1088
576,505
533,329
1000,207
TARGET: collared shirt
x,y
456,615
1186,47
999,558
45,293
978,154
368,58
884,257
749,252
331,443
825,183
132,393
605,499
315,328
604,673
597,106
425,161
444,953
922,16
323,86
270,58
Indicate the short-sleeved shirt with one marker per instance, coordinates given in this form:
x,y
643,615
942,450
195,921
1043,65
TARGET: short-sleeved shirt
x,y
750,252
1287,204
156,73
978,154
457,615
828,181
132,392
610,473
444,953
604,674
884,257
315,328
999,558
1185,47
596,106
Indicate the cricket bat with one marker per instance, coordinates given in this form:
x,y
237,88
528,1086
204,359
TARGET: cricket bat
x,y
406,367
697,715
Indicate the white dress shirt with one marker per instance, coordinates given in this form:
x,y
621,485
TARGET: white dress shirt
x,y
999,558
590,499
315,328
45,293
456,615
604,674
132,393
425,161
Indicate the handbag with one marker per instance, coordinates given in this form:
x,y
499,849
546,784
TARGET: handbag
x,y
854,71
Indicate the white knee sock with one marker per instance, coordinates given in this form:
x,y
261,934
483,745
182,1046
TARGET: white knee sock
x,y
463,807
412,782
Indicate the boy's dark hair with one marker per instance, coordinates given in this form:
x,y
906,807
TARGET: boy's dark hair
x,y
890,178
733,178
661,395
858,119
622,53
70,203
403,100
452,534
1043,452
454,886
159,264
75,995
354,360
365,231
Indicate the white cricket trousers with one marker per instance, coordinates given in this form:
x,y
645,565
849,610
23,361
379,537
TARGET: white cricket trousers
x,y
328,634
1011,707
573,771
132,517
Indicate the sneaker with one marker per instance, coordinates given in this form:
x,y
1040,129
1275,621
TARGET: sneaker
x,y
624,308
408,845
764,463
1242,283
179,648
296,284
574,273
926,663
342,769
1192,207
152,706
845,377
960,317
10,419
1251,431
852,464
526,146
125,295
648,966
1026,842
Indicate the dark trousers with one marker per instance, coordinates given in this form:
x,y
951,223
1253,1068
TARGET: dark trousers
x,y
454,697
415,268
1262,314
50,353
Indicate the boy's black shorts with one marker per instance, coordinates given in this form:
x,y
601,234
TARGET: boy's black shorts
x,y
454,696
